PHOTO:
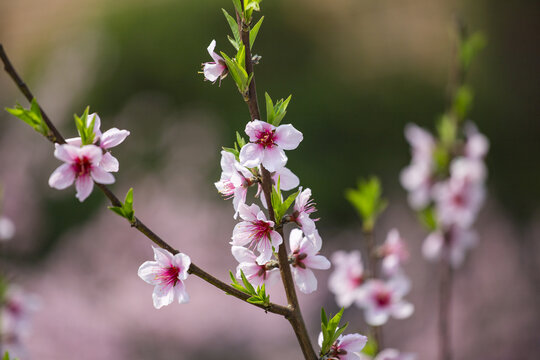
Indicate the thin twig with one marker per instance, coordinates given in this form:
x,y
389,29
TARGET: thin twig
x,y
138,224
372,263
296,320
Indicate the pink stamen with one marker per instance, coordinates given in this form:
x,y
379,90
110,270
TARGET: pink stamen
x,y
82,166
169,276
266,138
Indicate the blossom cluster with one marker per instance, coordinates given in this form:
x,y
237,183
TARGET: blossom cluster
x,y
452,190
255,239
380,298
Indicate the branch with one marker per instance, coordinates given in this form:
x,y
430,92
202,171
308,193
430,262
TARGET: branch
x,y
138,224
296,319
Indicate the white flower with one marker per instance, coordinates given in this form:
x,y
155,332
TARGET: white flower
x,y
348,276
305,255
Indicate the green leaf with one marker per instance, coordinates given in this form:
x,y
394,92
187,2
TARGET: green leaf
x,y
367,201
235,152
238,73
330,330
447,130
247,284
371,347
269,108
240,140
324,318
276,112
86,131
254,31
234,28
470,47
241,57
118,210
463,100
126,208
238,6
31,116
428,218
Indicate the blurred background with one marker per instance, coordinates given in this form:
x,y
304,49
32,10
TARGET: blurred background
x,y
359,70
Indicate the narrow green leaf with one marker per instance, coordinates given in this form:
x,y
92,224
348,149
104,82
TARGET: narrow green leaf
x,y
287,203
241,57
234,27
254,31
247,284
240,140
118,210
280,110
269,109
237,6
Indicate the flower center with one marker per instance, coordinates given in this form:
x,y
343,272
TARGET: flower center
x,y
169,276
459,200
356,281
82,166
266,138
261,229
382,298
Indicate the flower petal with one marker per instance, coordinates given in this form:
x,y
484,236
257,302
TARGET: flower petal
x,y
274,158
305,280
295,238
317,262
287,137
287,179
113,137
162,256
162,296
65,152
84,186
109,163
148,272
62,177
181,293
251,155
101,176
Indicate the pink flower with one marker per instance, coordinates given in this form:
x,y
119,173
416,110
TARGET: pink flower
x,y
167,273
348,276
394,252
106,141
7,229
477,144
216,69
346,347
235,180
16,312
82,167
256,232
417,177
384,299
255,273
458,201
305,255
453,245
303,207
267,145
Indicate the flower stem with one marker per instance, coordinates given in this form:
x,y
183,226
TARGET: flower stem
x,y
138,224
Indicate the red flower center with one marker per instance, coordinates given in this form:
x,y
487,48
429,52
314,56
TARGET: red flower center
x,y
82,166
383,298
266,138
169,276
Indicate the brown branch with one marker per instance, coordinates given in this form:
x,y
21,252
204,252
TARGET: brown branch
x,y
138,224
296,320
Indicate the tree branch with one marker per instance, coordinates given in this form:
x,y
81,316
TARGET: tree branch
x,y
296,320
138,224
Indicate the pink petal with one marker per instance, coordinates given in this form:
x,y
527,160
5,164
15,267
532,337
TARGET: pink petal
x,y
92,152
353,342
148,272
211,52
287,179
251,155
67,153
376,317
162,296
305,280
243,255
74,141
97,123
182,262
255,127
7,229
250,213
109,163
295,238
212,72
433,246
265,249
84,186
276,238
62,177
287,137
163,257
242,234
101,176
317,262
181,293
113,137
402,310
274,158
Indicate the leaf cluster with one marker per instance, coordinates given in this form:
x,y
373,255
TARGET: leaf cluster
x,y
258,296
126,210
331,330
246,8
236,40
237,69
86,131
367,201
280,206
276,112
31,116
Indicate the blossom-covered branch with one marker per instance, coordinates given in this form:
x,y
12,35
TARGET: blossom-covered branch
x,y
56,137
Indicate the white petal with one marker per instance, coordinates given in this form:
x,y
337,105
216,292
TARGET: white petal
x,y
163,257
62,177
84,185
67,153
163,295
241,234
317,262
295,238
181,293
287,180
212,72
148,272
305,280
251,155
113,137
92,152
182,262
402,310
97,123
287,137
433,246
7,229
109,163
274,158
353,342
376,317
74,141
101,176
242,254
